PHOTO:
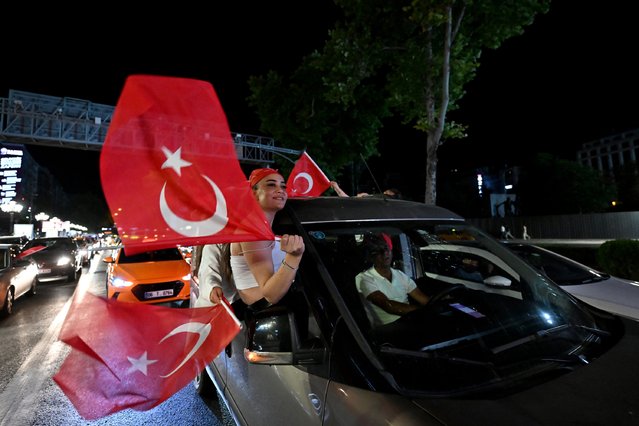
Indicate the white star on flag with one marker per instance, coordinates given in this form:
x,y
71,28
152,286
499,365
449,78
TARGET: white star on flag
x,y
140,364
174,160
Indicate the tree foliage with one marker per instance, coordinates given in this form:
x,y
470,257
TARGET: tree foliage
x,y
555,186
409,58
618,258
627,180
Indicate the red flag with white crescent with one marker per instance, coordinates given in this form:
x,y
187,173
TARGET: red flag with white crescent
x,y
170,172
134,355
306,179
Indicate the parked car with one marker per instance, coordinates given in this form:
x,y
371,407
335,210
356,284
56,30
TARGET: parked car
x,y
18,277
598,288
513,349
57,258
153,277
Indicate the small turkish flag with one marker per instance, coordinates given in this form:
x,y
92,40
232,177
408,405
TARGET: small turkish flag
x,y
306,179
170,172
134,355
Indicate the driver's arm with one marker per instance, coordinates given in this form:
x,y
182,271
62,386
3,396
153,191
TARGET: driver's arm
x,y
390,306
419,296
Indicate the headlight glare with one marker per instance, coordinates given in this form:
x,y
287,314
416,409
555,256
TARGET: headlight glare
x,y
64,260
119,282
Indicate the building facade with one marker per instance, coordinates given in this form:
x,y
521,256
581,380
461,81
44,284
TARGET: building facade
x,y
610,153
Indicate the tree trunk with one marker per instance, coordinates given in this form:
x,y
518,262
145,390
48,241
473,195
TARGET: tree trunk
x,y
432,142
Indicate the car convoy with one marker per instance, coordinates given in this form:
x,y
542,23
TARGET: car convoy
x,y
509,343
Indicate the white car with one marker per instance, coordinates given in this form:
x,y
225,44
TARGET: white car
x,y
602,290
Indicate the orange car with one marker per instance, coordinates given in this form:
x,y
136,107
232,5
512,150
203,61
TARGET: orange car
x,y
153,277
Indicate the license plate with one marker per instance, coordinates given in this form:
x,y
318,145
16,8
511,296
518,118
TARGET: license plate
x,y
44,271
159,293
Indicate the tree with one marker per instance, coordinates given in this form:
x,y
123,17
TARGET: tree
x,y
296,112
554,186
413,57
627,180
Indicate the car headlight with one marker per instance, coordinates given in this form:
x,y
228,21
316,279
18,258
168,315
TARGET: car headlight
x,y
186,277
119,282
64,260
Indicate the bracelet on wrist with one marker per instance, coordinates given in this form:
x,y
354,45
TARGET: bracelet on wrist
x,y
288,266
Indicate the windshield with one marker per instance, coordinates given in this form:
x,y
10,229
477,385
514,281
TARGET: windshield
x,y
491,319
52,243
151,256
559,269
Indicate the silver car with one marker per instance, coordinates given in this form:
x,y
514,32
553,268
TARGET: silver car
x,y
600,289
17,277
510,349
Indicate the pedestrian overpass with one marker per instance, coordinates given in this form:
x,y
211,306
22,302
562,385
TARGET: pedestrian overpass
x,y
34,119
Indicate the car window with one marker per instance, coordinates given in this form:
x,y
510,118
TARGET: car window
x,y
558,269
41,243
150,256
65,245
5,258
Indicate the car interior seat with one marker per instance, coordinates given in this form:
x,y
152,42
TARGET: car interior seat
x,y
352,260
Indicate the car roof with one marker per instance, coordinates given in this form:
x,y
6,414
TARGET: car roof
x,y
13,238
344,209
53,239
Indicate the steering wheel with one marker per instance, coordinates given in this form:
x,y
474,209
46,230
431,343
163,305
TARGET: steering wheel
x,y
445,292
418,315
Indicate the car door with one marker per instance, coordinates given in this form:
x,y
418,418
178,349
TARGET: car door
x,y
20,273
278,394
24,272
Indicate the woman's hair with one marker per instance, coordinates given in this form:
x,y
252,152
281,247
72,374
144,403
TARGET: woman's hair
x,y
225,262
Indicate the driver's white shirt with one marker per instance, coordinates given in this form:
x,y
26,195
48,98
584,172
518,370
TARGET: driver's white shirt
x,y
397,290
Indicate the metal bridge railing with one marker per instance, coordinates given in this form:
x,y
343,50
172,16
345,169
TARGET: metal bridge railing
x,y
31,118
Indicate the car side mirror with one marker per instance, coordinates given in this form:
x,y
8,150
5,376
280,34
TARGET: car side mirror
x,y
497,281
272,338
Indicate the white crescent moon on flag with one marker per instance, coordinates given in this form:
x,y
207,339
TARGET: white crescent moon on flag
x,y
199,328
198,228
308,178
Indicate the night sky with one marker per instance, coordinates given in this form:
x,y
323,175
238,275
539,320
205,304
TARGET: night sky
x,y
568,80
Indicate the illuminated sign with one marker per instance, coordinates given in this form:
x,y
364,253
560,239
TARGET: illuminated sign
x,y
10,166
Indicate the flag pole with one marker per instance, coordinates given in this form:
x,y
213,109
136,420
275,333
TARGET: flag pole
x,y
231,313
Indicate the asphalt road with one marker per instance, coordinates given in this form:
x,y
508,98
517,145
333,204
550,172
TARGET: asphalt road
x,y
31,354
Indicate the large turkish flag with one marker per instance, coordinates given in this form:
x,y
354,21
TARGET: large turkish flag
x,y
134,355
170,172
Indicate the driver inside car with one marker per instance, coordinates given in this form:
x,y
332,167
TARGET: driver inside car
x,y
386,290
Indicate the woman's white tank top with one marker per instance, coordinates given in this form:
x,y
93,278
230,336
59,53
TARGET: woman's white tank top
x,y
243,276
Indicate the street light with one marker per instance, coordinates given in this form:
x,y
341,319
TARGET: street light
x,y
11,207
41,218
